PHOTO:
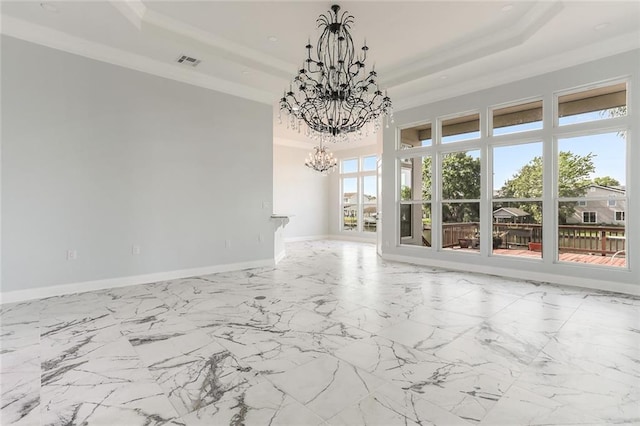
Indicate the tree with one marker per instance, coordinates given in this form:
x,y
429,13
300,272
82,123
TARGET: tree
x,y
460,181
573,181
606,181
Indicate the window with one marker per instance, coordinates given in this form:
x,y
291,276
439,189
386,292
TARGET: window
x,y
582,160
594,104
461,128
415,201
461,189
517,198
416,137
369,163
349,166
460,195
517,118
359,189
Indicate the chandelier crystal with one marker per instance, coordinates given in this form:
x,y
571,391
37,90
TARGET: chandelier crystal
x,y
333,94
321,160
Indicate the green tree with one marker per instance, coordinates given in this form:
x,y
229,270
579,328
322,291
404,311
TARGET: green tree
x,y
606,181
573,181
405,192
460,180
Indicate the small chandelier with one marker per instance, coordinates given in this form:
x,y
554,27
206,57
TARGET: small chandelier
x,y
321,160
333,94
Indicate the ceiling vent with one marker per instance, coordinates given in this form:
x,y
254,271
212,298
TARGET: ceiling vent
x,y
187,60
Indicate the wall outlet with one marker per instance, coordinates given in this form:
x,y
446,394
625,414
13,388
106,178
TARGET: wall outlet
x,y
260,238
135,249
227,243
72,254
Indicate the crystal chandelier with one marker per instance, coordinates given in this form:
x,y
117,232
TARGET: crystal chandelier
x,y
333,94
321,160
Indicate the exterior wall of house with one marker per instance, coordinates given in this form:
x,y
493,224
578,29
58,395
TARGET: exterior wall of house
x,y
132,174
605,213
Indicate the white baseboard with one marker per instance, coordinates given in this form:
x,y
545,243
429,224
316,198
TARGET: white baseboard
x,y
514,273
307,238
355,239
59,290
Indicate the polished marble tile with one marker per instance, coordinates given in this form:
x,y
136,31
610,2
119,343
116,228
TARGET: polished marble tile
x,y
327,385
390,406
331,336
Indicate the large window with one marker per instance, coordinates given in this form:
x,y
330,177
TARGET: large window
x,y
554,168
359,192
517,199
415,201
591,190
460,195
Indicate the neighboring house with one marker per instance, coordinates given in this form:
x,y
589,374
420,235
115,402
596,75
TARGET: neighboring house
x,y
510,215
610,212
350,205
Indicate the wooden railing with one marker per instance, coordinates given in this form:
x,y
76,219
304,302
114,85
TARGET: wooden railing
x,y
591,239
603,240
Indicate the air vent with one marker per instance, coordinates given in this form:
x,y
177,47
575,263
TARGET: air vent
x,y
187,60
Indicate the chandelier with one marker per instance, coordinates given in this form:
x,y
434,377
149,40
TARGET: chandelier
x,y
333,94
321,160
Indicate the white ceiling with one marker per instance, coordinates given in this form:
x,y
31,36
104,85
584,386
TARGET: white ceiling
x,y
423,50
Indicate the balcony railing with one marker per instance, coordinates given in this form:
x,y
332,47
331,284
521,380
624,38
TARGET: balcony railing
x,y
602,240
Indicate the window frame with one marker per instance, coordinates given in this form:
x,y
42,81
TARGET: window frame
x,y
589,212
359,175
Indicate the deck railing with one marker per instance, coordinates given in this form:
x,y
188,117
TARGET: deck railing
x,y
603,240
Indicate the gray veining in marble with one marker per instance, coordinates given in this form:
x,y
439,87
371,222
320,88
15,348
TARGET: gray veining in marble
x,y
331,336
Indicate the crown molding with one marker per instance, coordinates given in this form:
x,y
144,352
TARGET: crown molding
x,y
474,46
58,40
599,50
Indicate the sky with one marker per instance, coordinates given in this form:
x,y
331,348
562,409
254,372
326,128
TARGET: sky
x,y
368,182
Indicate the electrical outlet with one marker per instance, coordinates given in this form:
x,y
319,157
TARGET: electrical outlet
x,y
227,243
72,254
135,249
260,238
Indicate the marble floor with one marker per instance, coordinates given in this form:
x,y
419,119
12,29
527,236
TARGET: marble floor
x,y
332,336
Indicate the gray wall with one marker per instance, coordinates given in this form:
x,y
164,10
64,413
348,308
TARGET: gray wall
x,y
301,192
98,158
